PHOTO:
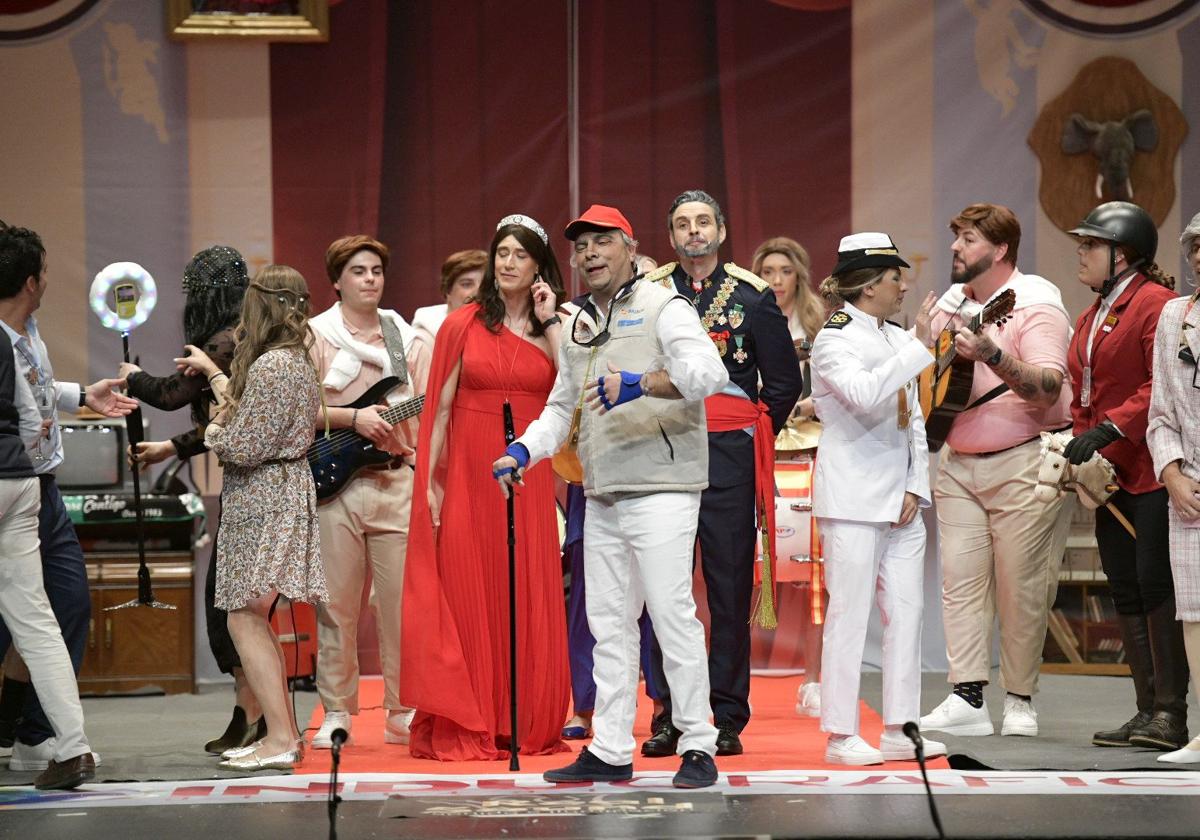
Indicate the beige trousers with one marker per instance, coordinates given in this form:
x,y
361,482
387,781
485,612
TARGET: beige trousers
x,y
1000,550
365,525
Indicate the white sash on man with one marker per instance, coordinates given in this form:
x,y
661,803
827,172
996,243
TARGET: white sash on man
x,y
351,353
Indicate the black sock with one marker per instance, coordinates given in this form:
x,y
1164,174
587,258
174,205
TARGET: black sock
x,y
972,692
12,699
1026,697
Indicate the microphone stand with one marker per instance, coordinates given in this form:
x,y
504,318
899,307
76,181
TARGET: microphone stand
x,y
914,735
135,433
334,799
514,763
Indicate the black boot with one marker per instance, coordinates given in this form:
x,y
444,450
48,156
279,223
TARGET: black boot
x,y
1135,635
239,733
12,701
1167,729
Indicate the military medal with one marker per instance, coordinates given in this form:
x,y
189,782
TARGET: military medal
x,y
739,355
736,316
715,314
721,339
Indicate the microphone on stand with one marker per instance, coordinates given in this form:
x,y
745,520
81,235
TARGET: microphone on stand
x,y
337,739
913,733
341,736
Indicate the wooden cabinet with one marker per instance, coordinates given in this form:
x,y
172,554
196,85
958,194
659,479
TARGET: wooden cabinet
x,y
139,649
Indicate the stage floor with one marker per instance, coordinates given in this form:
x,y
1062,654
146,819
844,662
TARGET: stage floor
x,y
154,782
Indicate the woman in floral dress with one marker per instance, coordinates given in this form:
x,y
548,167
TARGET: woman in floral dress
x,y
269,543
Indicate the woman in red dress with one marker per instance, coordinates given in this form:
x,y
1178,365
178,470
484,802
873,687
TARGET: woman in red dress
x,y
455,620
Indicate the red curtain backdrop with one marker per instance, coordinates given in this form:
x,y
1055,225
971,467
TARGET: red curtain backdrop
x,y
747,100
425,123
327,109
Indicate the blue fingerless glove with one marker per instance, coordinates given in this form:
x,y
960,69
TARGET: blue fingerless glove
x,y
518,453
631,389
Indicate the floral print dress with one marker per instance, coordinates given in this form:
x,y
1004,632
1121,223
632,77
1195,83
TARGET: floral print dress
x,y
269,539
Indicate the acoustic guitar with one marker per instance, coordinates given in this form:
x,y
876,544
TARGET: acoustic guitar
x,y
336,459
945,386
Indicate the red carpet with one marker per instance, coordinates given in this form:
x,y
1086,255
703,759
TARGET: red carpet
x,y
776,739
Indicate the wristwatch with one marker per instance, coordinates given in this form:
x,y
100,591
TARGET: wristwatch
x,y
82,396
551,321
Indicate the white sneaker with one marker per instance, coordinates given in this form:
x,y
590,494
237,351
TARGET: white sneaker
x,y
36,758
398,726
897,747
335,719
808,700
1020,718
852,750
956,716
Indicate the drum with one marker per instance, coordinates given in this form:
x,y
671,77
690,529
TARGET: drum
x,y
793,519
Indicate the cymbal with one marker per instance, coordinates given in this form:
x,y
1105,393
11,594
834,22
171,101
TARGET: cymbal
x,y
801,435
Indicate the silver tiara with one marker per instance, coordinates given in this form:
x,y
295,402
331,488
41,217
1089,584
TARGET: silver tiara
x,y
525,222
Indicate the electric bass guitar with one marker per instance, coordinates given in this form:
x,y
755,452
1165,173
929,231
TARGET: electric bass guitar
x,y
945,386
336,459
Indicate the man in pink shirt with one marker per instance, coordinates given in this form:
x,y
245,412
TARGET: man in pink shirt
x,y
1000,547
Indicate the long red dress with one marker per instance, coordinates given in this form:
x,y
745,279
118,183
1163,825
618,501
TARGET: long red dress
x,y
454,639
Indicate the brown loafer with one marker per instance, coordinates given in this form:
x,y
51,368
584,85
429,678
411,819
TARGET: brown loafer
x,y
67,774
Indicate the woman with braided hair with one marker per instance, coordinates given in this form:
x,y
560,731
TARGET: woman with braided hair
x,y
1111,362
270,544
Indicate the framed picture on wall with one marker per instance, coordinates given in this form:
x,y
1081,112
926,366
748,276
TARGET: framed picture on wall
x,y
263,20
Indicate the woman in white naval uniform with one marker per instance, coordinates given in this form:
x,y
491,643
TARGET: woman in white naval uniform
x,y
871,479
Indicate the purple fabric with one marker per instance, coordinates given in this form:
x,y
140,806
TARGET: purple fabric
x,y
579,637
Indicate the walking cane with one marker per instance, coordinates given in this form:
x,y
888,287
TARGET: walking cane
x,y
514,743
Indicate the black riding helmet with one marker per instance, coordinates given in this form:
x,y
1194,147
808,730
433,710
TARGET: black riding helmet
x,y
1122,223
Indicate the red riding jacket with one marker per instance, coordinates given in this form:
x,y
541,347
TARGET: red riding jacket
x,y
1122,361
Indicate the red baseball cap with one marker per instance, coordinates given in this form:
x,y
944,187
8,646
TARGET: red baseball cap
x,y
599,217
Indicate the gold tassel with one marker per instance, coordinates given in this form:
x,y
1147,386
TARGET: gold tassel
x,y
764,610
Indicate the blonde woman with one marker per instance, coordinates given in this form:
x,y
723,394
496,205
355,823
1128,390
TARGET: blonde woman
x,y
785,264
269,543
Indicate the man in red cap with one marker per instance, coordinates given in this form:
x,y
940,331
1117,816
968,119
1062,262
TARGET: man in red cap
x,y
739,313
634,352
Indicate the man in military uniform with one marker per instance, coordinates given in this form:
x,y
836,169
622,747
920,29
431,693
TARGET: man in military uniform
x,y
739,312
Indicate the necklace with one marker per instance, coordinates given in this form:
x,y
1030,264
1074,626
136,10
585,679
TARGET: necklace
x,y
506,381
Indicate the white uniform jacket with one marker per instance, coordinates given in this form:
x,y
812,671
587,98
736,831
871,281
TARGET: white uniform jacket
x,y
865,461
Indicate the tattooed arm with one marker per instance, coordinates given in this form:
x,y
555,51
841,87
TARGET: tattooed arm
x,y
1032,383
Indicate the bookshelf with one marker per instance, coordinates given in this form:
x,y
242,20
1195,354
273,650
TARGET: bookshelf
x,y
1082,636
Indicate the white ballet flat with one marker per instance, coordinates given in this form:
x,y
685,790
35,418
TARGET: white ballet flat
x,y
1187,755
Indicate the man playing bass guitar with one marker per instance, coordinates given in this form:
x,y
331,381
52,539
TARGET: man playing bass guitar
x,y
357,345
1000,547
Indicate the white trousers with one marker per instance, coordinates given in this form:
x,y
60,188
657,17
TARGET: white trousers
x,y
26,611
864,559
639,552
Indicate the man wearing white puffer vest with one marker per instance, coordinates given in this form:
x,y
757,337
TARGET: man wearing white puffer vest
x,y
637,355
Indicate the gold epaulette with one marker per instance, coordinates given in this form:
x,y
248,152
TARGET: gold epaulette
x,y
738,273
662,275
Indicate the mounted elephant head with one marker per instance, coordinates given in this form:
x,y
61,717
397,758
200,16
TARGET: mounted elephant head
x,y
1114,143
